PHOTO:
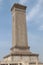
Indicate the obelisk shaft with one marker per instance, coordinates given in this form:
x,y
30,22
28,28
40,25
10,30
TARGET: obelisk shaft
x,y
19,33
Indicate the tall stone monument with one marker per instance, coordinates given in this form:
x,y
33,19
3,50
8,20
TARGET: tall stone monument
x,y
19,31
20,53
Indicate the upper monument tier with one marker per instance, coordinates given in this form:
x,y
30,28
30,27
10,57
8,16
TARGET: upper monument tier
x,y
16,5
19,30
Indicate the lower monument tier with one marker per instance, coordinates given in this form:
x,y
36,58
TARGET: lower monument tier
x,y
21,60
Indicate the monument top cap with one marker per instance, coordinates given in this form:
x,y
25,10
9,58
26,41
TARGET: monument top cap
x,y
16,5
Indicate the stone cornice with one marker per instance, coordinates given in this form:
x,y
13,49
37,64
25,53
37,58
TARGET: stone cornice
x,y
21,54
16,5
18,47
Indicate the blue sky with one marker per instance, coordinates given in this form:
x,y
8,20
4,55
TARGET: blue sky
x,y
34,19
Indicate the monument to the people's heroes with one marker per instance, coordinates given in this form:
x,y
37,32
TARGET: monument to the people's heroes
x,y
20,53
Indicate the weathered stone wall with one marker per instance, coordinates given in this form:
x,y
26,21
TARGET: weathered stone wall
x,y
19,33
40,64
7,59
29,59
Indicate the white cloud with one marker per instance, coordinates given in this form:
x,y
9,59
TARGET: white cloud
x,y
19,1
36,15
11,1
41,27
1,1
22,1
35,11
